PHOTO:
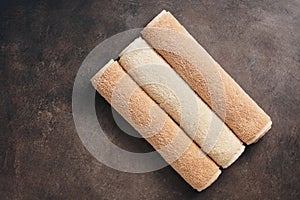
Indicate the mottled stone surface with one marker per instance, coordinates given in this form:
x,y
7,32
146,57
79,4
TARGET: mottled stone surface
x,y
42,46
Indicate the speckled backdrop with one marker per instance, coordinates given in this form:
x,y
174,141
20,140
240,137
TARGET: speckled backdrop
x,y
42,46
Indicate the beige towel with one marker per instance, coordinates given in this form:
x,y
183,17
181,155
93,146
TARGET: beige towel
x,y
145,116
206,77
172,93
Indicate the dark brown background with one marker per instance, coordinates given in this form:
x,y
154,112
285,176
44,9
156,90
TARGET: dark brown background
x,y
42,46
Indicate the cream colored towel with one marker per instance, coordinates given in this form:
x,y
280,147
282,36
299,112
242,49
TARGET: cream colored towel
x,y
172,93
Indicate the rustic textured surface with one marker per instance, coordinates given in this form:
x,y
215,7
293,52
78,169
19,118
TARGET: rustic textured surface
x,y
42,46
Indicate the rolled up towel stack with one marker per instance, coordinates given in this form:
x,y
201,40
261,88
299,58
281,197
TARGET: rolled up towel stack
x,y
181,101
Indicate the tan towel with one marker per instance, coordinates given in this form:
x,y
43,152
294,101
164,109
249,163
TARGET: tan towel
x,y
166,35
173,94
155,125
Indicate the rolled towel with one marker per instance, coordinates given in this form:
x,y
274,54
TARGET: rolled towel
x,y
173,94
155,126
206,77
